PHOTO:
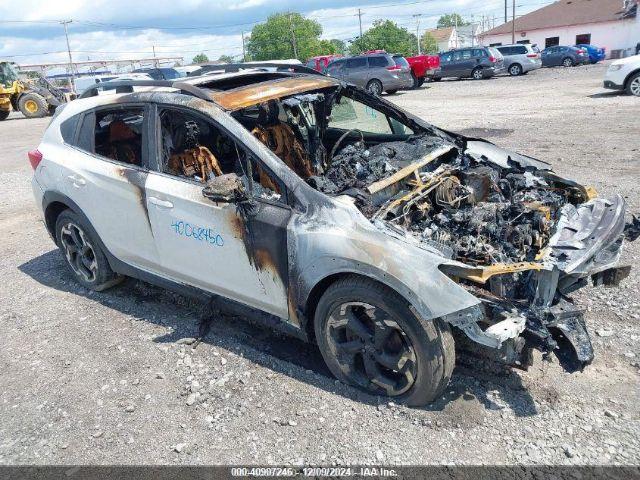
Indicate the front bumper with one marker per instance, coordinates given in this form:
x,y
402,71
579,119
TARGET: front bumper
x,y
587,245
612,86
530,66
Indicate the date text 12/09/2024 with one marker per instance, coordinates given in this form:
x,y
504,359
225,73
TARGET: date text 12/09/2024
x,y
202,234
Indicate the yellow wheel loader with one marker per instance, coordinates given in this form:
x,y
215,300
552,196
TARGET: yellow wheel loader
x,y
34,96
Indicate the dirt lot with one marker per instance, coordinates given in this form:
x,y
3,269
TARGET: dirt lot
x,y
103,378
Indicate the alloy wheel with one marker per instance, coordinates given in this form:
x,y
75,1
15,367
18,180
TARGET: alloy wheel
x,y
371,348
634,86
515,70
79,252
375,88
477,74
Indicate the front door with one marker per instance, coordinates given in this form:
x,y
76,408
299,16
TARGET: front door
x,y
232,249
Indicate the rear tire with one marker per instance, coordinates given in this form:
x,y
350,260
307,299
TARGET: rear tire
x,y
374,87
33,105
421,82
515,70
567,62
633,85
4,114
370,338
82,253
477,74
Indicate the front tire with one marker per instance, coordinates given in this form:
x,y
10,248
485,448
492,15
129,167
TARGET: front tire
x,y
33,105
374,87
82,253
370,339
4,114
633,85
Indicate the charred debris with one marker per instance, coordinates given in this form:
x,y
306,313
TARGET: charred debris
x,y
496,218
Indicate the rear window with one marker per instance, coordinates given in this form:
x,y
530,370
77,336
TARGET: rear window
x,y
376,62
359,62
401,61
494,52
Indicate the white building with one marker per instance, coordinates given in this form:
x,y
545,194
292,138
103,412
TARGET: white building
x,y
455,37
612,24
446,38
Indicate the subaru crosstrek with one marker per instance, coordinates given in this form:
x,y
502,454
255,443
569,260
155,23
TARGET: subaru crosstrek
x,y
335,216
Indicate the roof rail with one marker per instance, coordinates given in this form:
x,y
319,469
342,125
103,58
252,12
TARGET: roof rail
x,y
236,67
126,86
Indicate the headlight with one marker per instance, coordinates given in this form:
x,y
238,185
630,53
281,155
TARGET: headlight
x,y
614,68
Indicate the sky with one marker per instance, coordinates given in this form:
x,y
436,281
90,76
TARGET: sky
x,y
124,29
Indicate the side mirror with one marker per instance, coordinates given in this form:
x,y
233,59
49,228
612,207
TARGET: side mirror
x,y
226,188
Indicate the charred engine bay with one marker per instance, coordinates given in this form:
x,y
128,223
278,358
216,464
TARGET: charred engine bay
x,y
474,212
496,216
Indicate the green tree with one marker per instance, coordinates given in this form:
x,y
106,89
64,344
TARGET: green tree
x,y
451,20
226,59
386,35
428,43
200,58
276,38
339,46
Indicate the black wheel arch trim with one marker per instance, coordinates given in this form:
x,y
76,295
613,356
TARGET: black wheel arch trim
x,y
307,297
630,76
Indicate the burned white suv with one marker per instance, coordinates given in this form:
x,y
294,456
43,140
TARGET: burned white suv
x,y
329,213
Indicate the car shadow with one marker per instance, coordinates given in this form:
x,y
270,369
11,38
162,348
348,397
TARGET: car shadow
x,y
608,94
270,349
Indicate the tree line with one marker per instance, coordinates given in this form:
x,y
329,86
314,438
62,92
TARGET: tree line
x,y
290,35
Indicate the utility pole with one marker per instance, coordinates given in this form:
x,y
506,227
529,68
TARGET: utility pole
x,y
513,22
417,17
505,12
293,36
456,17
360,21
72,84
244,51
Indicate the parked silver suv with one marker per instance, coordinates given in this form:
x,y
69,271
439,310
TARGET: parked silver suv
x,y
520,58
328,212
376,73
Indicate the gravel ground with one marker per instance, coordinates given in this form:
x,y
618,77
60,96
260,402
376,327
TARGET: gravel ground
x,y
106,378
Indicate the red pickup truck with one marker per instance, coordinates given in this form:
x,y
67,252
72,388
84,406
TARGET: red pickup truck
x,y
423,67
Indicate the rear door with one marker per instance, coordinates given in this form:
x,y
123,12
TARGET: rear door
x,y
468,61
229,248
104,172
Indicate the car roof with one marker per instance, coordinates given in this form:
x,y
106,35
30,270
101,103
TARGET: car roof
x,y
237,90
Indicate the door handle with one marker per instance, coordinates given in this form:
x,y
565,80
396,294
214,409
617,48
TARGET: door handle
x,y
161,203
77,180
